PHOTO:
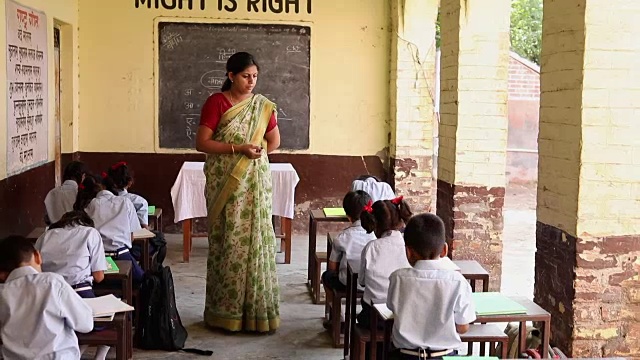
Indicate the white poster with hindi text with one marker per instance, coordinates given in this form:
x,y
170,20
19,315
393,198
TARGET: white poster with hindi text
x,y
27,80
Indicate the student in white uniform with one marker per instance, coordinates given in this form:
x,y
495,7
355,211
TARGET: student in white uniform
x,y
377,189
114,217
72,248
119,180
39,312
348,244
429,331
60,200
384,255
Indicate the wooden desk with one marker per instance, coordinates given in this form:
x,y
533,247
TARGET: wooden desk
x,y
189,202
156,217
119,284
350,311
472,271
118,334
534,314
35,234
316,216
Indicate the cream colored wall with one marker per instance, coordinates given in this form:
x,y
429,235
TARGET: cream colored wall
x,y
349,72
63,13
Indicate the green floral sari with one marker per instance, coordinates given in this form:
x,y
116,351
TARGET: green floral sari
x,y
242,284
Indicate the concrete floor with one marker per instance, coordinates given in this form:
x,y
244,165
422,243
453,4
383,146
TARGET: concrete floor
x,y
301,335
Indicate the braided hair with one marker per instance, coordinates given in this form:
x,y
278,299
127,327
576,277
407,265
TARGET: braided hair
x,y
385,215
88,191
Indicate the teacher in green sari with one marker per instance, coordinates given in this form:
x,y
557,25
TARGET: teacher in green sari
x,y
237,131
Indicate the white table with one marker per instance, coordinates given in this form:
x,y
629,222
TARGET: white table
x,y
187,195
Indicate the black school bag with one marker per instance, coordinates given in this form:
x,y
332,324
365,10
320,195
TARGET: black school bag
x,y
159,326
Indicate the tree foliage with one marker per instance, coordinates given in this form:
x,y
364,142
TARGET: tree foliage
x,y
526,28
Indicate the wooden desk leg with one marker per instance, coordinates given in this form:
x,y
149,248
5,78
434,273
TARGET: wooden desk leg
x,y
347,319
146,255
386,344
473,285
373,344
285,223
546,333
313,228
186,240
485,284
522,346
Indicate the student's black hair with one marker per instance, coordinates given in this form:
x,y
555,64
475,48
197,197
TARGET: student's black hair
x,y
354,202
73,218
365,177
88,190
118,177
386,215
74,171
15,250
236,64
425,235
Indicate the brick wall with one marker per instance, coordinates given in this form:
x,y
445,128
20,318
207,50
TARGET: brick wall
x,y
524,79
524,114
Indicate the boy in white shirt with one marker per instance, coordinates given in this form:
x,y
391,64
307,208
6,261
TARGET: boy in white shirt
x,y
39,312
432,303
60,200
348,245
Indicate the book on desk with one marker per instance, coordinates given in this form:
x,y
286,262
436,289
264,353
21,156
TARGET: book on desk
x,y
334,212
105,307
112,268
489,303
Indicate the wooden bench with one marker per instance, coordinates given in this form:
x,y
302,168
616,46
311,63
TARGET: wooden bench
x,y
486,334
118,334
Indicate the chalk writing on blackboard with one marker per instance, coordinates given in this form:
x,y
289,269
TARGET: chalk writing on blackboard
x,y
195,69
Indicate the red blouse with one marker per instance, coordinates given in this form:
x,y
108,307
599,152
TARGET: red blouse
x,y
216,105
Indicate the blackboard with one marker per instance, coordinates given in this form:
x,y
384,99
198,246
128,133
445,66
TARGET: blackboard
x,y
191,65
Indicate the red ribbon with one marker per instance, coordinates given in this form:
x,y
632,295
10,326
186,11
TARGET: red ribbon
x,y
397,200
81,187
104,175
117,165
369,207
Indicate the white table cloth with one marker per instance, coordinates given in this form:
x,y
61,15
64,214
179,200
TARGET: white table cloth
x,y
187,193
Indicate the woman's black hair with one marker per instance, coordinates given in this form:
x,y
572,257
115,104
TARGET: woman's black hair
x,y
73,218
118,177
87,191
236,64
386,215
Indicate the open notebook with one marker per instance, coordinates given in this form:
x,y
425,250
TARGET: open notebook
x,y
107,305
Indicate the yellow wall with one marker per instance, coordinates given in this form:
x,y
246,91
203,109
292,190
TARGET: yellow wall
x,y
63,13
349,72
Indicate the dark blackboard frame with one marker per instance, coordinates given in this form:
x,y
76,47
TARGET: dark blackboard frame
x,y
285,76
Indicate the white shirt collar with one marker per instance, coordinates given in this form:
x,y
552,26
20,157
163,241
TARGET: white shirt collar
x,y
71,183
20,272
122,192
438,264
105,193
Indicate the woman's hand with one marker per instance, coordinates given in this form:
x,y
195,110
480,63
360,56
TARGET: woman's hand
x,y
251,151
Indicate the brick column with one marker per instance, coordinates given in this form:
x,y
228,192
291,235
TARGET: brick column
x,y
473,128
412,90
588,229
